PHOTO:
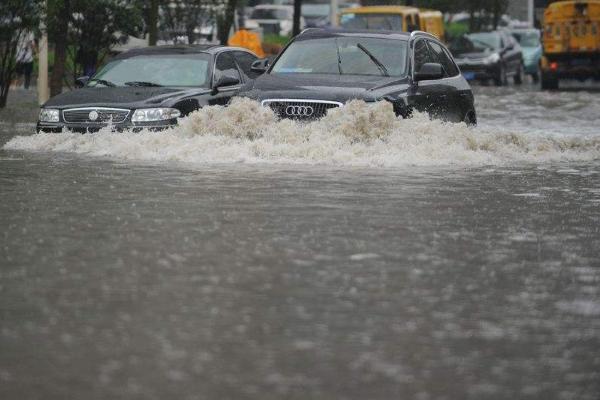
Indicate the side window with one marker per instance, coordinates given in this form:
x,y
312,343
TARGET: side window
x,y
422,54
245,60
225,66
441,56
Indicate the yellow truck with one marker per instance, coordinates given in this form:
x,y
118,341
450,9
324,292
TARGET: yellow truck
x,y
571,41
394,18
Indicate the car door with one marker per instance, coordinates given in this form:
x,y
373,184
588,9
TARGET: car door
x,y
451,94
224,66
421,95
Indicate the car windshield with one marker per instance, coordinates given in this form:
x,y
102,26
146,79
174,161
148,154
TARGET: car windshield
x,y
392,22
155,70
344,55
527,39
315,10
475,43
485,40
269,13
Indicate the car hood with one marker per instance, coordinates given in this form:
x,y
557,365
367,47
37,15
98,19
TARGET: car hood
x,y
130,97
319,87
480,55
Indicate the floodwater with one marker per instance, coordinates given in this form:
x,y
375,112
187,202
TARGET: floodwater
x,y
359,257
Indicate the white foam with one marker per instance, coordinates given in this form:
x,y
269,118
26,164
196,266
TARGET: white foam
x,y
357,134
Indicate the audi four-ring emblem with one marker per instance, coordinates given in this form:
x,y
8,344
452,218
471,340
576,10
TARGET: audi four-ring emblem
x,y
299,111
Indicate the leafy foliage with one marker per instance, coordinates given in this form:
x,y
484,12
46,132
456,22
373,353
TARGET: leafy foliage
x,y
17,18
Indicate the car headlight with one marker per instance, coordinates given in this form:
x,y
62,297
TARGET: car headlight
x,y
154,114
49,115
492,58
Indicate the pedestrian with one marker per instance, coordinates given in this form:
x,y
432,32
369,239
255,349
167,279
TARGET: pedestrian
x,y
24,58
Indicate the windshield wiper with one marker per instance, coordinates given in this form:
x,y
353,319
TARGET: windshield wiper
x,y
382,67
142,83
103,82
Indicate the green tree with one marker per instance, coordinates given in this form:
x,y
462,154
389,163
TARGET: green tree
x,y
225,17
17,18
58,18
85,30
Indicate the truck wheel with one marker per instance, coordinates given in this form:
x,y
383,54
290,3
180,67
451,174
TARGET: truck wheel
x,y
536,77
549,82
520,75
501,79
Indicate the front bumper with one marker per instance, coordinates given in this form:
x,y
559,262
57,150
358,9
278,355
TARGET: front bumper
x,y
480,71
57,127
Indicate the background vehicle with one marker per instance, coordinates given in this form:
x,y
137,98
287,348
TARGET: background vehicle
x,y
531,46
323,69
276,20
316,15
251,4
571,42
489,55
150,88
394,18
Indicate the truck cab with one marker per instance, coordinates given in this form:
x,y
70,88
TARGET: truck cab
x,y
571,38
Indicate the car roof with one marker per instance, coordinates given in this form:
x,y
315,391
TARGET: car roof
x,y
172,49
320,33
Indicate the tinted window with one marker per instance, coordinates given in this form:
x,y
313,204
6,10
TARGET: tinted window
x,y
164,70
422,54
225,66
245,61
320,56
441,57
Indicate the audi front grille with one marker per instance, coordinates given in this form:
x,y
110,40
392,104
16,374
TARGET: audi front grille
x,y
299,108
98,115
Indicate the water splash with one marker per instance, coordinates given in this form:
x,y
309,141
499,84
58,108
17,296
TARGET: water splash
x,y
357,134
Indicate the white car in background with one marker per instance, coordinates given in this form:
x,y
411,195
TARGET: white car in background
x,y
273,19
251,4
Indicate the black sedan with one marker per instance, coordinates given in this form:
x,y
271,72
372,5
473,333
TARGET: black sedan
x,y
150,88
487,56
323,69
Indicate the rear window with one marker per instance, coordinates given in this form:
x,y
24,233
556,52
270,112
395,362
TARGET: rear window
x,y
391,22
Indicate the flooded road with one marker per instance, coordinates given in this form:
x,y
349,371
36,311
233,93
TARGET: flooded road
x,y
414,260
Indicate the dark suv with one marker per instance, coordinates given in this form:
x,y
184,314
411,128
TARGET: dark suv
x,y
322,69
492,56
150,88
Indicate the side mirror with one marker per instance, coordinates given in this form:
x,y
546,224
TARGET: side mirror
x,y
226,81
260,66
81,81
429,71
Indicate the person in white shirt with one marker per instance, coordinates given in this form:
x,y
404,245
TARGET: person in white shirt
x,y
24,59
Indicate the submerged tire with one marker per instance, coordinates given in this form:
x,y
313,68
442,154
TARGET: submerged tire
x,y
520,75
470,118
549,82
501,79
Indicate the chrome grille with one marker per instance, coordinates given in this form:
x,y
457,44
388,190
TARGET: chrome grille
x,y
104,115
300,108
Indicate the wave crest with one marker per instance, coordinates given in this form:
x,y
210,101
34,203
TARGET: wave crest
x,y
357,134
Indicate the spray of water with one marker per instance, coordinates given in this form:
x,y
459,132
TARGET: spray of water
x,y
357,134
